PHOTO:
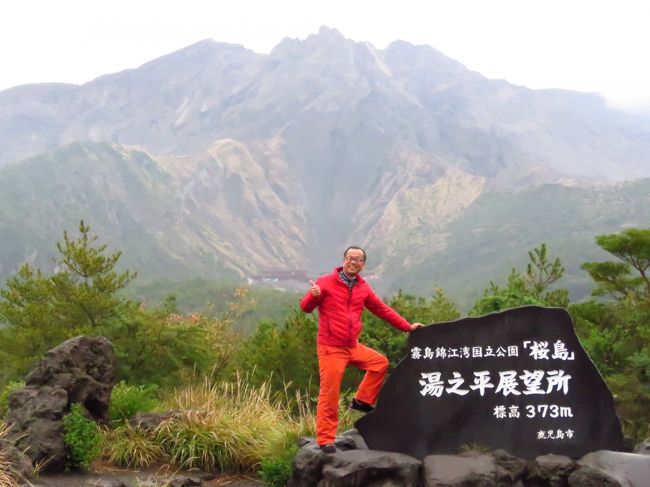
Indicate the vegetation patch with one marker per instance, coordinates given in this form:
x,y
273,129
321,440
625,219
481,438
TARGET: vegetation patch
x,y
83,438
127,400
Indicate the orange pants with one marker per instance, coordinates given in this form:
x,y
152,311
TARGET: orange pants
x,y
332,362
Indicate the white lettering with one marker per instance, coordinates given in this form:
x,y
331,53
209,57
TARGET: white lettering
x,y
432,386
539,350
533,381
560,351
508,383
500,412
556,379
455,383
481,381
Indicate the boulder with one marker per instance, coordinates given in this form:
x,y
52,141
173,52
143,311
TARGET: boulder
x,y
586,476
357,468
307,467
509,468
80,370
470,468
552,470
359,442
36,424
84,368
629,469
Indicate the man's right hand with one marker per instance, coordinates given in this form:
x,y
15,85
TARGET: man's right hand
x,y
315,289
416,326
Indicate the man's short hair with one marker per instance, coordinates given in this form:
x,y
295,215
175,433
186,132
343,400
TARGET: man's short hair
x,y
354,247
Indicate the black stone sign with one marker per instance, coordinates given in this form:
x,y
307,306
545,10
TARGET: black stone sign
x,y
517,380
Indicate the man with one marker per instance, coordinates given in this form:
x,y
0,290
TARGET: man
x,y
340,298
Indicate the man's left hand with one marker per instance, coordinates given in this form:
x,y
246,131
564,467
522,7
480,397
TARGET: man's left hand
x,y
415,326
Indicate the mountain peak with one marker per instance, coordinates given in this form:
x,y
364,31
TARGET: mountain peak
x,y
330,33
327,36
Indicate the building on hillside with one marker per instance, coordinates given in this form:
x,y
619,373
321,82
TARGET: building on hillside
x,y
277,275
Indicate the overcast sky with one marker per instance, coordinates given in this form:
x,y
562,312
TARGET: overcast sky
x,y
598,45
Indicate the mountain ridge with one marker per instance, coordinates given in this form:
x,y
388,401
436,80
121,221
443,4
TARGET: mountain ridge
x,y
280,160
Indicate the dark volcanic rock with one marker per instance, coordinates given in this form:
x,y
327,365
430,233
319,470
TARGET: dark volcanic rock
x,y
471,468
509,468
551,470
587,476
20,462
307,468
518,380
80,370
630,469
82,366
36,420
371,468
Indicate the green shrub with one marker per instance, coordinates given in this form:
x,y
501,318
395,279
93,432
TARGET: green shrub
x,y
127,400
275,471
83,438
4,395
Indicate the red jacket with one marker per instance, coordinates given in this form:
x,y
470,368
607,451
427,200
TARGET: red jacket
x,y
339,310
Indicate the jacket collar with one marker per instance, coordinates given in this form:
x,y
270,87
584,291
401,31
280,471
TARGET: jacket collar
x,y
336,271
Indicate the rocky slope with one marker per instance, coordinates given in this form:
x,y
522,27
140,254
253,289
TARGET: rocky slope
x,y
215,159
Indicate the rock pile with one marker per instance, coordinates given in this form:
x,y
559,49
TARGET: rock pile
x,y
353,465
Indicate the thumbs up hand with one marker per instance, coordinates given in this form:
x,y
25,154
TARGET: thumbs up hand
x,y
315,289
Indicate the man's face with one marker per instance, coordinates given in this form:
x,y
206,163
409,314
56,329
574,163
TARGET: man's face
x,y
353,262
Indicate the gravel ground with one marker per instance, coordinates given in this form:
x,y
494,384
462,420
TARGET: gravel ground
x,y
141,478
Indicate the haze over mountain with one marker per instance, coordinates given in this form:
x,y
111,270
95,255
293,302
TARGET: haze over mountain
x,y
215,159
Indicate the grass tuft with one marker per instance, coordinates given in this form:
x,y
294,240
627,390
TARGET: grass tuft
x,y
229,427
8,475
132,447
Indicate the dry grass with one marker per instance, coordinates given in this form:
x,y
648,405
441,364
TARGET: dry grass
x,y
131,447
306,415
225,426
229,427
8,475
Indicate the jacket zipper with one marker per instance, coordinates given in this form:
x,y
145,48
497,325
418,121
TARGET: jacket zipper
x,y
349,317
